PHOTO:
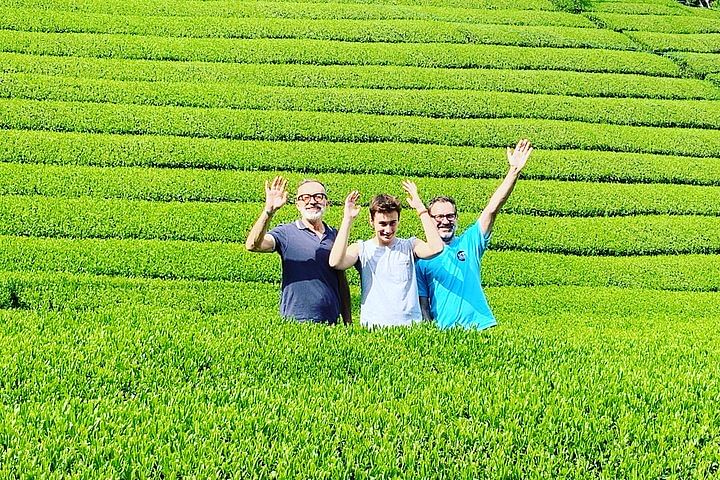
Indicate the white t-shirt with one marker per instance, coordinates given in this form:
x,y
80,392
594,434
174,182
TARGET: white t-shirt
x,y
389,287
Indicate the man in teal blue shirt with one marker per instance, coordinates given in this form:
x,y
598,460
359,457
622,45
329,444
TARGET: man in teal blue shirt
x,y
449,285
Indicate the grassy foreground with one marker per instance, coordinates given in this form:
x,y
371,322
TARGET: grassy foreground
x,y
138,338
134,391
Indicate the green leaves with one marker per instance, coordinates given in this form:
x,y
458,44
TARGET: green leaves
x,y
327,52
425,103
139,338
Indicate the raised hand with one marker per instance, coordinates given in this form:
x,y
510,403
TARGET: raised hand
x,y
352,209
275,194
413,197
518,157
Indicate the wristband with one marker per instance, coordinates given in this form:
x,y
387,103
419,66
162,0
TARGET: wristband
x,y
269,213
420,213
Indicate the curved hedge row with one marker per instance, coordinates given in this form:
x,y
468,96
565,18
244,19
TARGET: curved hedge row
x,y
426,103
323,157
350,127
313,10
640,8
64,291
530,196
362,76
657,23
39,216
390,31
690,42
698,63
232,8
327,52
230,261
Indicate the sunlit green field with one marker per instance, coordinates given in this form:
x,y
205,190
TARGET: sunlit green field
x,y
138,338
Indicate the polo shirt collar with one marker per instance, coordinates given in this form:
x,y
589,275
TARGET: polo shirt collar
x,y
301,226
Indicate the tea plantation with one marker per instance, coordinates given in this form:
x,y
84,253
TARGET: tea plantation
x,y
139,339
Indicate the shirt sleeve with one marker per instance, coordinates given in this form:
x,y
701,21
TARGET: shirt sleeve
x,y
279,233
410,246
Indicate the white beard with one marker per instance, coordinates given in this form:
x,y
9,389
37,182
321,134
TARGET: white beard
x,y
313,216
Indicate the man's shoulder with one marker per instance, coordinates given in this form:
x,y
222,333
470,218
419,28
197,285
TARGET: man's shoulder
x,y
285,233
404,244
330,230
284,227
472,230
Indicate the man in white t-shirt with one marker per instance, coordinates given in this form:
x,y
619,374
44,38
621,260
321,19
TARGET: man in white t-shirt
x,y
387,263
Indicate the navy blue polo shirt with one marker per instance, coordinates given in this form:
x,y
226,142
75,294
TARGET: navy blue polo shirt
x,y
309,286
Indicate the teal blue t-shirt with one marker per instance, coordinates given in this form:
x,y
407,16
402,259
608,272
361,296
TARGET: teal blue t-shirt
x,y
452,282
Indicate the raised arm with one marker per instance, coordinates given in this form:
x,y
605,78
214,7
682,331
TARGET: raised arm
x,y
517,159
275,197
434,244
343,257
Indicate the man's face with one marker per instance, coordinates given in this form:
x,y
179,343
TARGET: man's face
x,y
385,226
311,201
445,217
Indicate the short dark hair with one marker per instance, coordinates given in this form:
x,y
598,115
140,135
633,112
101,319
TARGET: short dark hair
x,y
384,203
444,199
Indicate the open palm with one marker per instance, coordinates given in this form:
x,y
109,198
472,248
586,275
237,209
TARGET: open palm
x,y
518,158
275,194
413,198
352,209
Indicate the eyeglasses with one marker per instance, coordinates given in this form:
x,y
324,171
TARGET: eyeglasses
x,y
305,197
447,216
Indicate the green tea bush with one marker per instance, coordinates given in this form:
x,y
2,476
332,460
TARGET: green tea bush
x,y
392,31
690,42
348,127
139,338
552,198
107,391
42,291
426,103
657,23
230,261
640,8
229,14
326,52
232,8
699,64
325,157
359,76
230,222
284,9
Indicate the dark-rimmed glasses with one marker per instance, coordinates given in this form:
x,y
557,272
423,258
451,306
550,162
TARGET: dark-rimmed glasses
x,y
318,197
450,217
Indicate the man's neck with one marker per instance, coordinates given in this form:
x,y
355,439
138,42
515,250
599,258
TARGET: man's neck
x,y
316,226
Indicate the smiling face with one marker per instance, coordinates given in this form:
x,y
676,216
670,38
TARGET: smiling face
x,y
385,225
445,216
311,201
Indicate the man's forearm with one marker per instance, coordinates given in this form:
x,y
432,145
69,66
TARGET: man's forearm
x,y
502,193
339,249
258,231
432,235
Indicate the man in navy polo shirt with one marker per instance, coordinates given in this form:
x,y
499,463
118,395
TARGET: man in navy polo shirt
x,y
311,290
449,285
